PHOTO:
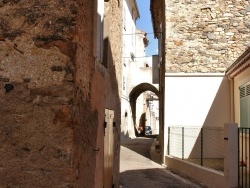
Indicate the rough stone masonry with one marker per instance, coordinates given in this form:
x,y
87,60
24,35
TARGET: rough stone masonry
x,y
36,61
205,36
53,95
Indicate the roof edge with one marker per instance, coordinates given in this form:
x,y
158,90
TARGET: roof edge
x,y
137,9
239,65
152,17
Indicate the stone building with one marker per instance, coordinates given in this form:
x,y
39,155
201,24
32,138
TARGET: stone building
x,y
199,40
158,15
60,74
203,38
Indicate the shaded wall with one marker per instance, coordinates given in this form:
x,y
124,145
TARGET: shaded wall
x,y
54,94
135,93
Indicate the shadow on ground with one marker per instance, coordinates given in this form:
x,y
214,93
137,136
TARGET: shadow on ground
x,y
145,146
148,178
148,175
149,136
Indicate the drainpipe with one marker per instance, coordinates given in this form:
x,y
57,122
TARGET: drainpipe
x,y
163,147
232,110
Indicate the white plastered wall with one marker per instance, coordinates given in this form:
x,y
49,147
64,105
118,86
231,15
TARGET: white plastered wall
x,y
197,100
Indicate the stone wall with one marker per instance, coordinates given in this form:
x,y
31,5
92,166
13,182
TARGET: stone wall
x,y
97,88
205,36
53,94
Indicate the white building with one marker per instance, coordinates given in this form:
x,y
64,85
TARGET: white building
x,y
136,71
130,15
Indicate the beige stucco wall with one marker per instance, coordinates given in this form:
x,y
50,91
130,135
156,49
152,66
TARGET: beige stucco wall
x,y
209,177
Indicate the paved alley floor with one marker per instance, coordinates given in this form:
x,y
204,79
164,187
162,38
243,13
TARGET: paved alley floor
x,y
137,170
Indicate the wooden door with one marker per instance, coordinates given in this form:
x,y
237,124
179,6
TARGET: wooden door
x,y
108,148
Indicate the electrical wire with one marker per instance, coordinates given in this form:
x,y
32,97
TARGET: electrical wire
x,y
138,57
140,33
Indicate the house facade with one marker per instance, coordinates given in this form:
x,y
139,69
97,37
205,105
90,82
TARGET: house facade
x,y
239,75
60,74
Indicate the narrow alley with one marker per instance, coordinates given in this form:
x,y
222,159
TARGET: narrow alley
x,y
83,81
139,169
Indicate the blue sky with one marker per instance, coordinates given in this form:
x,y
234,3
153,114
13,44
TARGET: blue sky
x,y
144,23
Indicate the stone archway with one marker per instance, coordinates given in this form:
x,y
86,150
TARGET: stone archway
x,y
135,93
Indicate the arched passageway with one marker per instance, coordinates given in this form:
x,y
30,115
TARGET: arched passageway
x,y
134,94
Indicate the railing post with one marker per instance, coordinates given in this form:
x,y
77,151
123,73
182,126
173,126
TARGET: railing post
x,y
242,144
182,143
168,140
238,155
201,146
231,154
247,161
